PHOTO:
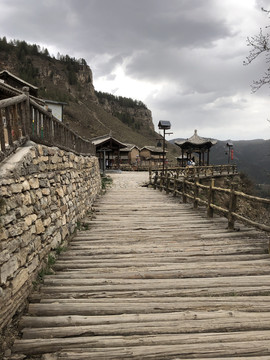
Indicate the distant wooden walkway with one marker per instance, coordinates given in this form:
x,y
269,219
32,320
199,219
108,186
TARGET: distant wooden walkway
x,y
153,279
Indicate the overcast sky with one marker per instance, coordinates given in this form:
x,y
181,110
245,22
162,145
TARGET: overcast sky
x,y
182,58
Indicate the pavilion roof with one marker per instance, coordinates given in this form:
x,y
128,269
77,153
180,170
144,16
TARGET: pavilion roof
x,y
196,141
101,140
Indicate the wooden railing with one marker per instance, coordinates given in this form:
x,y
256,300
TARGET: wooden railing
x,y
228,202
199,171
22,118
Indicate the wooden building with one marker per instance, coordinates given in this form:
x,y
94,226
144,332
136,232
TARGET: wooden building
x,y
196,145
57,108
152,156
17,82
130,156
108,151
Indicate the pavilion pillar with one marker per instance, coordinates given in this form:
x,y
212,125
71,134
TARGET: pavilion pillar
x,y
208,154
182,157
118,158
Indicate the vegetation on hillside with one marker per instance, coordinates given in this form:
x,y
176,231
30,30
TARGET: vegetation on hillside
x,y
30,73
125,104
252,157
122,101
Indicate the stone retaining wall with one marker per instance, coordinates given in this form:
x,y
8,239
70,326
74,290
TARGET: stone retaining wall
x,y
44,192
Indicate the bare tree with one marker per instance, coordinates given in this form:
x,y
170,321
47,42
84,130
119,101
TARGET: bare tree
x,y
260,46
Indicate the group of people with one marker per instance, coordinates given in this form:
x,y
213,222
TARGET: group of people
x,y
191,162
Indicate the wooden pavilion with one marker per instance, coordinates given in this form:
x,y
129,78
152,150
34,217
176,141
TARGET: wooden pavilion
x,y
196,144
108,151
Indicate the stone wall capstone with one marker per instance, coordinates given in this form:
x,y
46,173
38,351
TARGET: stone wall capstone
x,y
44,192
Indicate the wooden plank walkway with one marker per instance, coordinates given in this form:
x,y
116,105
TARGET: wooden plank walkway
x,y
153,279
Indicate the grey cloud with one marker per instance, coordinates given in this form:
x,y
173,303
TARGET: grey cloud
x,y
188,49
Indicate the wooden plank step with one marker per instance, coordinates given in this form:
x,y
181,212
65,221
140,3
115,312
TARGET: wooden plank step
x,y
75,320
237,281
156,326
119,306
161,352
237,343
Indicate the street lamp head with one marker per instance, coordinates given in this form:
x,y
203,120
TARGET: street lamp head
x,y
164,125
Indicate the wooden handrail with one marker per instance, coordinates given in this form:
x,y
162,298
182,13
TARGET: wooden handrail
x,y
207,171
22,118
12,101
188,188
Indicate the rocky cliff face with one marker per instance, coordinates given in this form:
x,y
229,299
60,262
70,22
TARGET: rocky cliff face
x,y
135,116
55,76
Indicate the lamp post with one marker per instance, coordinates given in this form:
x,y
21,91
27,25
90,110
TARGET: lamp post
x,y
230,151
164,125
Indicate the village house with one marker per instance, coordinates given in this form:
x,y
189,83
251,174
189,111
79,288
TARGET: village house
x,y
17,83
57,108
152,156
129,157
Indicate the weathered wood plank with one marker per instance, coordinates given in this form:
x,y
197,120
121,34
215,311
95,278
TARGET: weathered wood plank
x,y
76,320
156,326
226,338
110,307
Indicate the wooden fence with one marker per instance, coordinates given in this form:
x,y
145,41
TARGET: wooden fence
x,y
199,171
224,201
21,118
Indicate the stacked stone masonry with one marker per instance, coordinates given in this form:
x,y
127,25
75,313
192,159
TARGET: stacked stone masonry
x,y
42,198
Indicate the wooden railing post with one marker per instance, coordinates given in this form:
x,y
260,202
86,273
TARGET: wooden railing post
x,y
155,180
184,191
161,181
232,207
28,120
167,182
210,210
150,175
175,184
22,117
15,123
9,129
196,192
2,133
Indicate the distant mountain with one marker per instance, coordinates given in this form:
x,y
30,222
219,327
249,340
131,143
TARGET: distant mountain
x,y
252,157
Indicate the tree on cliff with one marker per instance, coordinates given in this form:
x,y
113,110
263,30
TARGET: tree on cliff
x,y
260,45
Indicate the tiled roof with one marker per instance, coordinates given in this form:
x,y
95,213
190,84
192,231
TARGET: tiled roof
x,y
195,139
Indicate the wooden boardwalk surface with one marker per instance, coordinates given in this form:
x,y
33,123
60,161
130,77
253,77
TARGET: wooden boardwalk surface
x,y
153,279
